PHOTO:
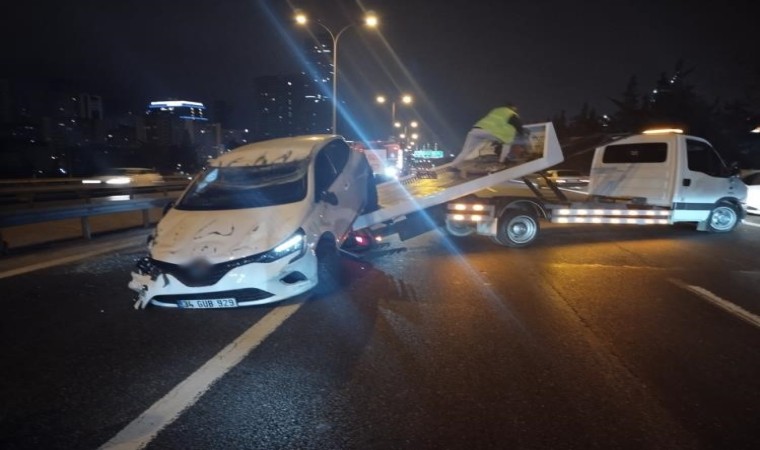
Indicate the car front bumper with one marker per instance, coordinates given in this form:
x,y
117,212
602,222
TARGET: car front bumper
x,y
249,284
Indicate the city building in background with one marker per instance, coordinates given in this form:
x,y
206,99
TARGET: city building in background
x,y
300,103
183,125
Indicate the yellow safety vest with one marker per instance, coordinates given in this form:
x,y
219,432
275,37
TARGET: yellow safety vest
x,y
497,123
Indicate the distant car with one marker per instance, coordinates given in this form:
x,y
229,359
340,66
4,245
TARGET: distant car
x,y
753,193
127,176
424,169
563,178
260,224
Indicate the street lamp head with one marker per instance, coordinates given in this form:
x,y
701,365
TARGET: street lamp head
x,y
397,124
406,99
300,17
371,19
380,99
414,124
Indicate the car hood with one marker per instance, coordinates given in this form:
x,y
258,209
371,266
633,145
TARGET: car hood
x,y
218,236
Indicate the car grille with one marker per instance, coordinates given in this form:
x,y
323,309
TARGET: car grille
x,y
240,295
199,274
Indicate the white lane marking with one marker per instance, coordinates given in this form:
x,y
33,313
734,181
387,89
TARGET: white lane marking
x,y
725,305
144,428
68,259
751,224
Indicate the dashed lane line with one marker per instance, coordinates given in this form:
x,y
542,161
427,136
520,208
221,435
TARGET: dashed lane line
x,y
141,431
725,305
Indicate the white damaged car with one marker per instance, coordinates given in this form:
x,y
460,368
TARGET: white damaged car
x,y
260,224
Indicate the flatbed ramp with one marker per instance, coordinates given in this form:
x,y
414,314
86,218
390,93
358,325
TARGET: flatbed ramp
x,y
412,194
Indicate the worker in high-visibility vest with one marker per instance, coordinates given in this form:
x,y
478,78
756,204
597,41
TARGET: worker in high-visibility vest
x,y
500,129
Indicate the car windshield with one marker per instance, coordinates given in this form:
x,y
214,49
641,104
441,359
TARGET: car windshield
x,y
220,188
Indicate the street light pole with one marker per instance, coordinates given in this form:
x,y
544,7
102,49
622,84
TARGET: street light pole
x,y
371,21
405,99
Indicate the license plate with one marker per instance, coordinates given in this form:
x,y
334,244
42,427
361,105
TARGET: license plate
x,y
208,303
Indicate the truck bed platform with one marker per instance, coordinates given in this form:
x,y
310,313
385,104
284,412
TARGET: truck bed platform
x,y
410,194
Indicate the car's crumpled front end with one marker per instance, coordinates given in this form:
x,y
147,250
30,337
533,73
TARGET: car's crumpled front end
x,y
286,270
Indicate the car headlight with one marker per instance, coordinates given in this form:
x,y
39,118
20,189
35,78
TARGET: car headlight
x,y
118,180
391,171
294,244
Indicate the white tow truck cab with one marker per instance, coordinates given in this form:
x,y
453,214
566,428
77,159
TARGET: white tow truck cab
x,y
658,177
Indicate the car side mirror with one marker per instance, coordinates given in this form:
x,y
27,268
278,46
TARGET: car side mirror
x,y
733,169
329,197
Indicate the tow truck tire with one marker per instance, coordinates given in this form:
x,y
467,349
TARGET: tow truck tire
x,y
329,274
459,229
723,218
516,228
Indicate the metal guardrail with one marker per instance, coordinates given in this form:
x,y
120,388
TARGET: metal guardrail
x,y
32,192
80,211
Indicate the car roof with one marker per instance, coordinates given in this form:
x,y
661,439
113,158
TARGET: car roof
x,y
275,151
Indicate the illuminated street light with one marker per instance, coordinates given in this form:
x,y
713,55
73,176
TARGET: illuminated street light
x,y
405,99
370,20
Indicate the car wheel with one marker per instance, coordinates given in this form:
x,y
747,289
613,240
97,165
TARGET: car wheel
x,y
459,229
516,228
328,268
723,218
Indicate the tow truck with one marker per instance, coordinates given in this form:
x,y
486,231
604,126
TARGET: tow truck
x,y
654,178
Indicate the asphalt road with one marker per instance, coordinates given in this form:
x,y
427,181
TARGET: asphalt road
x,y
595,337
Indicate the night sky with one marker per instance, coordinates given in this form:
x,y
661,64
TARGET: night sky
x,y
458,58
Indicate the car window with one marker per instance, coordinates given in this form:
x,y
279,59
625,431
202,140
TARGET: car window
x,y
239,187
752,180
338,152
324,173
703,158
650,152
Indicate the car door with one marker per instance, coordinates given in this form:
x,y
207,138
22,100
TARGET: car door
x,y
334,187
706,178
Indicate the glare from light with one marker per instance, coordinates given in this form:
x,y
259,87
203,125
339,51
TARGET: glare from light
x,y
756,130
391,171
119,180
663,131
406,99
371,20
414,124
91,181
301,18
380,99
460,207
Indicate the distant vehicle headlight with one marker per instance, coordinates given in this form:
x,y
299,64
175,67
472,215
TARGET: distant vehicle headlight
x,y
294,244
119,180
91,181
391,171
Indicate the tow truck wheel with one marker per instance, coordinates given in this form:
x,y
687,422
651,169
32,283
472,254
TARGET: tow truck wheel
x,y
723,218
516,228
328,268
459,229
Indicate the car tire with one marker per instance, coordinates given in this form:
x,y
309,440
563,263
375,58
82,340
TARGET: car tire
x,y
329,276
723,218
517,228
